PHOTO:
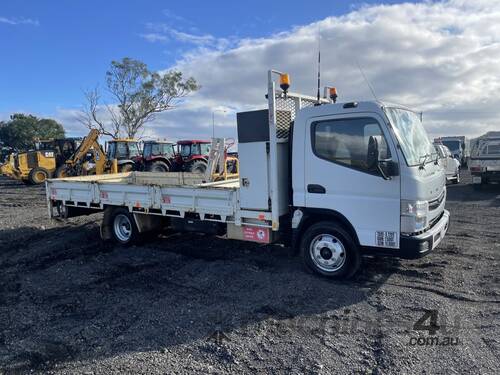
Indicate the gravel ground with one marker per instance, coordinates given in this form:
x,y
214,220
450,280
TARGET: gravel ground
x,y
70,304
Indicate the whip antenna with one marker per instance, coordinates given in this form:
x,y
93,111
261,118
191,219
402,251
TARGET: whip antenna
x,y
319,64
366,80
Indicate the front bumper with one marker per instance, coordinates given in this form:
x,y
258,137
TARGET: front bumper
x,y
417,246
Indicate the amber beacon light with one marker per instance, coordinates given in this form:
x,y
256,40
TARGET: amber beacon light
x,y
284,82
333,94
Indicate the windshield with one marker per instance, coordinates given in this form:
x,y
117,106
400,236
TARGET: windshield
x,y
185,150
415,144
133,149
111,150
147,150
452,145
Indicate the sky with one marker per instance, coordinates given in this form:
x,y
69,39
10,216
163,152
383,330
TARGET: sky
x,y
439,57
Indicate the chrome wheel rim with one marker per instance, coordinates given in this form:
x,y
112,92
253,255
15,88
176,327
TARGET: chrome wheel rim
x,y
123,227
327,252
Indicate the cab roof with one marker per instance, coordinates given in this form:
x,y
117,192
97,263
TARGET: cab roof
x,y
161,142
191,141
129,140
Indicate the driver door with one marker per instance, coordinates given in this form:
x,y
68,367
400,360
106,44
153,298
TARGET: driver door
x,y
338,177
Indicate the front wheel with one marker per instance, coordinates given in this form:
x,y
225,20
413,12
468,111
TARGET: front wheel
x,y
38,176
329,250
158,166
125,168
63,171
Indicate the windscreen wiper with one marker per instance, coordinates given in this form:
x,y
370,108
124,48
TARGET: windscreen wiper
x,y
426,156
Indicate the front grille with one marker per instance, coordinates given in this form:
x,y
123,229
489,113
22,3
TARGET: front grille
x,y
435,203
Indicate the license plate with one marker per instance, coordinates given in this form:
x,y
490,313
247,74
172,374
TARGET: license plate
x,y
439,236
476,180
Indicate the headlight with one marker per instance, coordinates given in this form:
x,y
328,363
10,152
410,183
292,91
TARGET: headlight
x,y
414,208
414,216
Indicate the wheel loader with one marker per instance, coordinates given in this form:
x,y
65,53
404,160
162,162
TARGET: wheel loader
x,y
36,166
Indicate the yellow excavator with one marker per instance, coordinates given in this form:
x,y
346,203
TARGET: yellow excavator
x,y
90,158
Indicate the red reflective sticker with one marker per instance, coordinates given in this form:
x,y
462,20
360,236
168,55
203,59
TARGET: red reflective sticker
x,y
256,234
166,199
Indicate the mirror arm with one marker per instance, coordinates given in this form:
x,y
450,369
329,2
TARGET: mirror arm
x,y
382,173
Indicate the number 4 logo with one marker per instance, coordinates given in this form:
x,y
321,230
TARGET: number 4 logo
x,y
432,327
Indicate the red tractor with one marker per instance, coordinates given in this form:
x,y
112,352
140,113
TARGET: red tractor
x,y
157,156
191,156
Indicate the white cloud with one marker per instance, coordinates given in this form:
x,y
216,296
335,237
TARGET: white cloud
x,y
19,21
154,37
439,57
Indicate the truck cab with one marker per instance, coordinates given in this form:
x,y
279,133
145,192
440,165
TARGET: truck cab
x,y
372,167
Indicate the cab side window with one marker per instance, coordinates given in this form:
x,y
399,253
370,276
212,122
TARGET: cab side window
x,y
205,148
345,141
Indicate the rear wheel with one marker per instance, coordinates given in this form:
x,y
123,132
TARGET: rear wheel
x,y
198,166
38,175
158,166
123,227
329,250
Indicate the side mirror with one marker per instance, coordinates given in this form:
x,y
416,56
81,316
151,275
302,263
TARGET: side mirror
x,y
373,155
386,167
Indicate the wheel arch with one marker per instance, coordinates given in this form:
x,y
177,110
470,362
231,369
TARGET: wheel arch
x,y
312,216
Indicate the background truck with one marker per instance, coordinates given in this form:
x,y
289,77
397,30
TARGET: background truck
x,y
484,162
333,180
459,147
450,164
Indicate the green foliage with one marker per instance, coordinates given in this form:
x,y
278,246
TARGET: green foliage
x,y
21,131
139,94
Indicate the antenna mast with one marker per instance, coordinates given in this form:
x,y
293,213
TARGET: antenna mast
x,y
366,80
319,65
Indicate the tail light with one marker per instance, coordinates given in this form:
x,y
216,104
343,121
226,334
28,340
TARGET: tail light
x,y
475,169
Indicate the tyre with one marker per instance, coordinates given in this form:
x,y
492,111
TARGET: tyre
x,y
198,166
38,175
158,166
125,168
123,227
62,172
329,250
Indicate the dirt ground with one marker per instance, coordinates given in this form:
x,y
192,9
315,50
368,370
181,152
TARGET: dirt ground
x,y
70,304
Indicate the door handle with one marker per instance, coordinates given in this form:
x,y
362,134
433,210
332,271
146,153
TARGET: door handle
x,y
316,189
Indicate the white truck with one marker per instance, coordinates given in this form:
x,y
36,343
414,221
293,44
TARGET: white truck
x,y
450,164
459,147
484,164
332,180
